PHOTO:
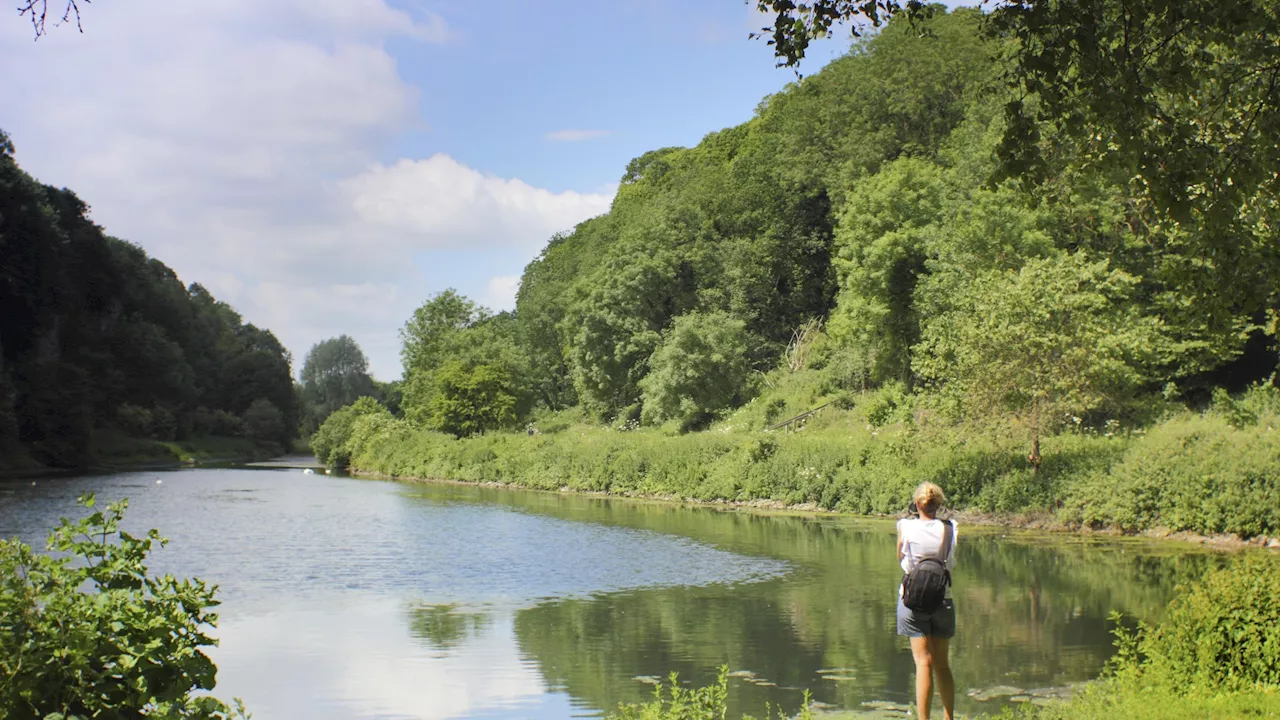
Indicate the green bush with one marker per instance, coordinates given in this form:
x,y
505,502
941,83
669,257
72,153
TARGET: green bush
x,y
264,422
330,441
90,633
699,370
134,420
891,403
1219,635
472,400
164,424
1194,472
1216,655
228,424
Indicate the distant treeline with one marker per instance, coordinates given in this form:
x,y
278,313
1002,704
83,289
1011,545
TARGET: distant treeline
x,y
94,334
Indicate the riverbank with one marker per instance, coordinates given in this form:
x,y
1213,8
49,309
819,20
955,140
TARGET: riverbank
x,y
1209,477
112,451
1042,521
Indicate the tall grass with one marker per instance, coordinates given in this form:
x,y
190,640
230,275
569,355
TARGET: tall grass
x,y
1211,472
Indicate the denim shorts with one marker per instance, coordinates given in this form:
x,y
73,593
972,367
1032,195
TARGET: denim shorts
x,y
939,623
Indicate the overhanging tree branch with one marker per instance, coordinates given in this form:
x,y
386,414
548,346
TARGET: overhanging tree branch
x,y
39,12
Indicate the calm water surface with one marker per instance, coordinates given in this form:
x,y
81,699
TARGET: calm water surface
x,y
359,599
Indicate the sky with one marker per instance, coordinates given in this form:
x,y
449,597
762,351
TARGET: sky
x,y
326,166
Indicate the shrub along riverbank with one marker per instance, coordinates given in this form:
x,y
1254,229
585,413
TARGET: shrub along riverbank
x,y
1208,472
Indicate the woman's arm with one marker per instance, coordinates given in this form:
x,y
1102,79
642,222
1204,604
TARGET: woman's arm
x,y
899,543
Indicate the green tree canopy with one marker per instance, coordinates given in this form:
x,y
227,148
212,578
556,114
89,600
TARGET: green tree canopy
x,y
1180,96
424,336
700,369
334,374
329,443
472,400
264,421
92,324
1058,337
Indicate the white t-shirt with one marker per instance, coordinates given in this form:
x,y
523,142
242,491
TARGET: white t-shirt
x,y
921,539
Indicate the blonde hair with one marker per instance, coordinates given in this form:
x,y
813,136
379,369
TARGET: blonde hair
x,y
928,497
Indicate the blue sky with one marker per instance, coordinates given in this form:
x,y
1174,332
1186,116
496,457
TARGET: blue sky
x,y
327,165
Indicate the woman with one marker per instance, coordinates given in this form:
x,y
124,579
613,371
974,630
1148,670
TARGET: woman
x,y
930,633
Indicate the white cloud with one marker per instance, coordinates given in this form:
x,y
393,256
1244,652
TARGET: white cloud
x,y
501,293
576,135
453,206
238,142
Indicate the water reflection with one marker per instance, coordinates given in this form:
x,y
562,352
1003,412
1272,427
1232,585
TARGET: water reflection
x,y
361,599
445,627
355,660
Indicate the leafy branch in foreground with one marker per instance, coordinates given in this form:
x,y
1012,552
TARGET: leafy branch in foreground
x,y
86,631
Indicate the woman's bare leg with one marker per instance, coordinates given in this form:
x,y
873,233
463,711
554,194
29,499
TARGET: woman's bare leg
x,y
941,662
924,675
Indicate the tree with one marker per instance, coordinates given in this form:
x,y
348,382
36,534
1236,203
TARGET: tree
x,y
472,400
329,443
449,328
89,632
700,369
889,223
264,422
1182,96
334,374
423,337
617,325
1059,337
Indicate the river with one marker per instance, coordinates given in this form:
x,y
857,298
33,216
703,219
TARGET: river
x,y
361,599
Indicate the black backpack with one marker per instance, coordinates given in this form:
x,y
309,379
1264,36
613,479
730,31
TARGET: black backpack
x,y
925,587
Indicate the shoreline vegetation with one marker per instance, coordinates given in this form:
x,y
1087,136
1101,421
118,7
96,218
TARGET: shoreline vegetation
x,y
1031,521
113,451
1205,476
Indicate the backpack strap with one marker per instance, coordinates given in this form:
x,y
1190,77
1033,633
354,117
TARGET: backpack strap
x,y
945,549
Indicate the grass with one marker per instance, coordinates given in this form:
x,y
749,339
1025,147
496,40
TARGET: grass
x,y
1193,472
1212,471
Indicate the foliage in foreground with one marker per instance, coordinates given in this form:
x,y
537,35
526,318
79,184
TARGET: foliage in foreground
x,y
672,702
1219,635
90,634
